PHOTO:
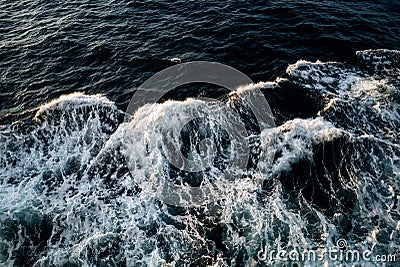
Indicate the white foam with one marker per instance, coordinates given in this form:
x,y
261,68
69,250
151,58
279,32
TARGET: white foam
x,y
74,100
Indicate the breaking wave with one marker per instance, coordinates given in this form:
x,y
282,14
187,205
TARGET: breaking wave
x,y
69,197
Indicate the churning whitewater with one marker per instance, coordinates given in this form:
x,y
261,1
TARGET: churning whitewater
x,y
330,170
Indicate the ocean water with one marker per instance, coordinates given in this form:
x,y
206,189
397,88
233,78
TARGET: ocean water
x,y
329,170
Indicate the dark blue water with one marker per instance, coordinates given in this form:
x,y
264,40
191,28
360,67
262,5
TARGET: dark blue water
x,y
68,196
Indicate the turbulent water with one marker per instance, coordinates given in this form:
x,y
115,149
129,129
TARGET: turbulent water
x,y
77,180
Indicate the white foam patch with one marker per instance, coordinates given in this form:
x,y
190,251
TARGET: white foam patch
x,y
72,101
259,85
350,93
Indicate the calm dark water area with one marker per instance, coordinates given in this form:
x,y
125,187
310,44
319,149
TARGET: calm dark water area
x,y
69,196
